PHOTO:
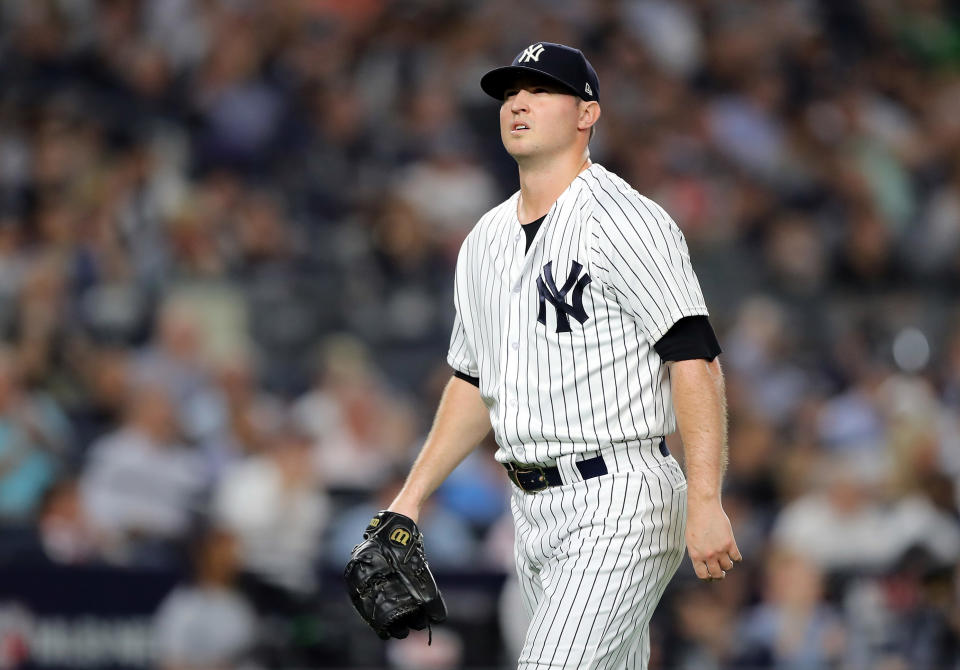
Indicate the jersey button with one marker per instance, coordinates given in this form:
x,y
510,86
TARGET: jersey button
x,y
515,345
517,238
516,289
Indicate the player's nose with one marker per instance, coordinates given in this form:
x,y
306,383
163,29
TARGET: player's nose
x,y
521,101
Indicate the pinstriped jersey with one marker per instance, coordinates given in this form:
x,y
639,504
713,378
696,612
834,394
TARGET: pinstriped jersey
x,y
561,335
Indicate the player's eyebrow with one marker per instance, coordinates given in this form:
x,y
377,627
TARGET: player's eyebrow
x,y
531,83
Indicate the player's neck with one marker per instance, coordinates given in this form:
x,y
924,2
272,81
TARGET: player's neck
x,y
542,184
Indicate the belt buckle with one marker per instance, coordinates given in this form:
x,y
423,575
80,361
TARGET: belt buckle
x,y
539,484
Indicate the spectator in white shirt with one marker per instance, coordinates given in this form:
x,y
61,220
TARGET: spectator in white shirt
x,y
141,484
273,502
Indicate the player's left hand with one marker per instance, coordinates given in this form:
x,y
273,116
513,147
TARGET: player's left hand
x,y
710,542
389,581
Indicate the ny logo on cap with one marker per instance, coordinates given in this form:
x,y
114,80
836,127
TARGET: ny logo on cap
x,y
531,53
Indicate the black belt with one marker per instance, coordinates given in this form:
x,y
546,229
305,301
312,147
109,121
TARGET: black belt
x,y
533,478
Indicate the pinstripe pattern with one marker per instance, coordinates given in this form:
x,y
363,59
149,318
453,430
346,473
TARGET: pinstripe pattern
x,y
593,559
602,383
593,556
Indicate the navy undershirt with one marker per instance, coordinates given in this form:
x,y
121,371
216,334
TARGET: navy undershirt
x,y
530,230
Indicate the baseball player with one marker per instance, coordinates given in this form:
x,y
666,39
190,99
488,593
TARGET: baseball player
x,y
581,337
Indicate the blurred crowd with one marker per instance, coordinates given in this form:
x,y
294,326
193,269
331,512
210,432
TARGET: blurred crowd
x,y
227,236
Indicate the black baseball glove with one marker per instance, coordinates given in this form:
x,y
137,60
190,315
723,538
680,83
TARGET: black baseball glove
x,y
389,580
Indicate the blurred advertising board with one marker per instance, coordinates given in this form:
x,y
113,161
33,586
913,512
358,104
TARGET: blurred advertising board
x,y
78,617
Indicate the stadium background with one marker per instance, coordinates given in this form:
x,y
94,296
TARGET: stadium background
x,y
227,233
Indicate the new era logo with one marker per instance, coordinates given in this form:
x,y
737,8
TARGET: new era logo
x,y
531,53
586,87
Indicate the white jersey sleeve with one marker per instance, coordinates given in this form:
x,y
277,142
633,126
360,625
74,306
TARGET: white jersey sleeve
x,y
461,355
640,254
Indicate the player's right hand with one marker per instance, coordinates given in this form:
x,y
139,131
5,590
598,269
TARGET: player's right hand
x,y
710,542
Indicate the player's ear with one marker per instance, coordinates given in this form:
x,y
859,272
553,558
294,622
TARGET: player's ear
x,y
589,114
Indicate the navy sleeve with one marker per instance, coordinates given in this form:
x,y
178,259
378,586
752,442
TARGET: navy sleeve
x,y
689,338
467,378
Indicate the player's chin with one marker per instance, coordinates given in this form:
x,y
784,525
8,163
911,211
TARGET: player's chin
x,y
517,147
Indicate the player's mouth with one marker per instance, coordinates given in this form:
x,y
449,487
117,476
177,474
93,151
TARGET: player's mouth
x,y
518,128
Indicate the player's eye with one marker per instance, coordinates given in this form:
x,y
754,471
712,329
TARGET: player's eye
x,y
509,93
541,89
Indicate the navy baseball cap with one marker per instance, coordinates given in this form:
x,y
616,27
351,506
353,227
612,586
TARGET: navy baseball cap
x,y
561,64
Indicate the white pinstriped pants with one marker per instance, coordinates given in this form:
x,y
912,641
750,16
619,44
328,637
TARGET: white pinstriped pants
x,y
594,557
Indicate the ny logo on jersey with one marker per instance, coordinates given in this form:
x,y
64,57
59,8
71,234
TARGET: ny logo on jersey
x,y
531,53
547,290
